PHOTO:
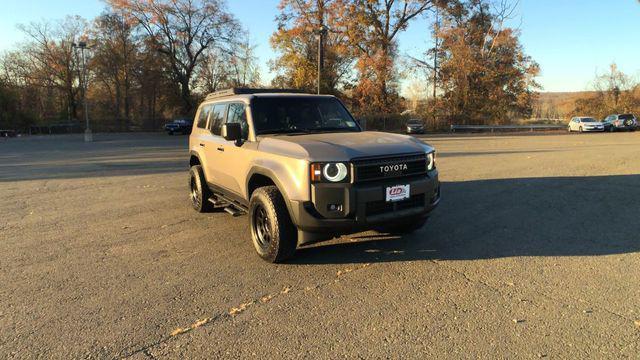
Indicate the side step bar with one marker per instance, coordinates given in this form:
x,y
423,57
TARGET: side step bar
x,y
233,211
228,205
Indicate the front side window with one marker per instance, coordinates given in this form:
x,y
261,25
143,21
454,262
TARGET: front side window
x,y
300,114
217,118
237,114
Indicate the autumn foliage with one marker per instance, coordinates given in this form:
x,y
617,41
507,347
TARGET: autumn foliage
x,y
152,60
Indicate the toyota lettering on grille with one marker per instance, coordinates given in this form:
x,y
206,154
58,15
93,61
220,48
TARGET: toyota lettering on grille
x,y
386,169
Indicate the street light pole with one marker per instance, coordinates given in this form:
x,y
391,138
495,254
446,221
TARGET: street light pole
x,y
88,135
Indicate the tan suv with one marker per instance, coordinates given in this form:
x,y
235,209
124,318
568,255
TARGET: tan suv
x,y
304,171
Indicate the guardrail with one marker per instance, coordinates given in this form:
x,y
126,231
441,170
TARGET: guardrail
x,y
493,128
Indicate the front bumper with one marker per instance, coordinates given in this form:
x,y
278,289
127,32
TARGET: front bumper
x,y
601,128
363,205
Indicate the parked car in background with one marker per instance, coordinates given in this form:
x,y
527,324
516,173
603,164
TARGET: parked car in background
x,y
584,124
182,126
620,122
8,133
415,126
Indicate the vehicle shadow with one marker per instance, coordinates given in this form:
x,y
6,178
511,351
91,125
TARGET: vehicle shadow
x,y
486,219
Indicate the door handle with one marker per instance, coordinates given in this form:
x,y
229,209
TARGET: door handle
x,y
220,148
201,144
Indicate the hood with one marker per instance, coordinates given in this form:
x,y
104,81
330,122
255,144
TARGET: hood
x,y
341,146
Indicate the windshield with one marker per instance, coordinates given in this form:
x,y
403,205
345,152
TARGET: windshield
x,y
300,114
588,120
625,117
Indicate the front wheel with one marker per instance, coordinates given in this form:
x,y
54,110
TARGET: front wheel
x,y
580,129
569,128
273,234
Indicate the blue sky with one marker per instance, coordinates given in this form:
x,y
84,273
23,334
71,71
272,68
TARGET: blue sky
x,y
570,39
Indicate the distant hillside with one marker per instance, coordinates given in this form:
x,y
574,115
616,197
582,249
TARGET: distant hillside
x,y
559,104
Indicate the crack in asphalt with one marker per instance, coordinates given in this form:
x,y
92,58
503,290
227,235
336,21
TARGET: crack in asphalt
x,y
546,296
234,312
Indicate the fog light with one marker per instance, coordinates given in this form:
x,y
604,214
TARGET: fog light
x,y
334,207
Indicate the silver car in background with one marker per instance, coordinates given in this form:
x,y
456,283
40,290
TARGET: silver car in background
x,y
584,124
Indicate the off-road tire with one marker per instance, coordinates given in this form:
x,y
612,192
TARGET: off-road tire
x,y
199,192
268,213
402,227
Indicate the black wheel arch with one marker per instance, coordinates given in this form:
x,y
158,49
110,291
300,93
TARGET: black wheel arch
x,y
194,159
258,176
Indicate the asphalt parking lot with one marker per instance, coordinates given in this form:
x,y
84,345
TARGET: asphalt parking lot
x,y
533,252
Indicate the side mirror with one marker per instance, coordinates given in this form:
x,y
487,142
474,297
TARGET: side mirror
x,y
231,132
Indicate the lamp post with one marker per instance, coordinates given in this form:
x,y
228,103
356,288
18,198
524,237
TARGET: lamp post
x,y
88,135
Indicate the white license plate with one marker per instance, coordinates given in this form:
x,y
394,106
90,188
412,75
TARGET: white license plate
x,y
397,193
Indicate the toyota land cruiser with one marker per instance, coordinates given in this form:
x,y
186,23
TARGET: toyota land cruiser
x,y
304,171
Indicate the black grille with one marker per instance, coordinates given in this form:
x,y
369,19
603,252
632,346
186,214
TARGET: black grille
x,y
383,207
370,169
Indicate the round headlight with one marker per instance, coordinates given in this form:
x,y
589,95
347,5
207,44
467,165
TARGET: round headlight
x,y
431,161
335,172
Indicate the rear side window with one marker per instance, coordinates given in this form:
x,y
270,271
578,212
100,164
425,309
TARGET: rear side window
x,y
237,114
204,114
217,118
625,117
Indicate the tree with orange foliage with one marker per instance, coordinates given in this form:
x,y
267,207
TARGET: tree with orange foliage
x,y
295,40
485,76
373,27
182,30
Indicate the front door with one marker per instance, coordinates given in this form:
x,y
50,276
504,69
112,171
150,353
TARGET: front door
x,y
235,157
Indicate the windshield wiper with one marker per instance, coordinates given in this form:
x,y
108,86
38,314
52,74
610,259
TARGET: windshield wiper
x,y
283,131
330,129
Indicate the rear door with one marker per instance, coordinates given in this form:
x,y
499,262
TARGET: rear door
x,y
201,137
214,145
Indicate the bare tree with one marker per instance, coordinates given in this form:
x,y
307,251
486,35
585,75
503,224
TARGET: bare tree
x,y
183,30
51,59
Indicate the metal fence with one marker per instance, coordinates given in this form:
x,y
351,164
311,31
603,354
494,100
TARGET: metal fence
x,y
494,128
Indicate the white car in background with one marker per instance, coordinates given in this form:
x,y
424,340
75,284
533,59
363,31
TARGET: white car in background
x,y
584,124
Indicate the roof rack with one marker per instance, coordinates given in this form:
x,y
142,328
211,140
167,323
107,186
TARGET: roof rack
x,y
240,90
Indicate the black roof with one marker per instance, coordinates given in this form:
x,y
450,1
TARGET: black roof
x,y
249,91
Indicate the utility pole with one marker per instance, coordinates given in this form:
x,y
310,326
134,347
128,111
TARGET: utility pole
x,y
88,135
436,28
320,34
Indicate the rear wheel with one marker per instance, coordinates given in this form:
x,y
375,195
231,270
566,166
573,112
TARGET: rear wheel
x,y
199,192
273,234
